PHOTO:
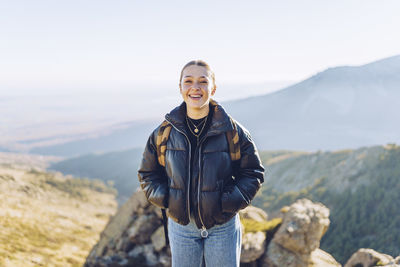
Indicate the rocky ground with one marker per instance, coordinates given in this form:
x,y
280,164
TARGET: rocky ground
x,y
135,237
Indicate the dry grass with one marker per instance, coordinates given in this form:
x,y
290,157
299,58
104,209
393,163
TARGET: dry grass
x,y
42,225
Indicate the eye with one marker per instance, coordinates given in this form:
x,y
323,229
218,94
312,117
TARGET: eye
x,y
188,81
203,82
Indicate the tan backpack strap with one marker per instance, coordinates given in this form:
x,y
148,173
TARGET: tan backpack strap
x,y
233,140
161,142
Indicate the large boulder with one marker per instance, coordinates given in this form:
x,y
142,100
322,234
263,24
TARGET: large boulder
x,y
278,256
303,226
368,257
296,242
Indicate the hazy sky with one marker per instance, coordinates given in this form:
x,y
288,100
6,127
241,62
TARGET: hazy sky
x,y
88,44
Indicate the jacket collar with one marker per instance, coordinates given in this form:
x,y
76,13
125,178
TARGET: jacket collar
x,y
220,121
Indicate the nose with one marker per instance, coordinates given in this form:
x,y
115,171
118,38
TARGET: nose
x,y
196,85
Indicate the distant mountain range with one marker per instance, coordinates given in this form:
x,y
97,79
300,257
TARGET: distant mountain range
x,y
342,107
130,135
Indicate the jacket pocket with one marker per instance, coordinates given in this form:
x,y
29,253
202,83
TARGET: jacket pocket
x,y
221,217
233,200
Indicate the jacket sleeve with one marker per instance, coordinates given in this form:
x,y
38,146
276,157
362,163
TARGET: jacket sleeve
x,y
249,175
152,177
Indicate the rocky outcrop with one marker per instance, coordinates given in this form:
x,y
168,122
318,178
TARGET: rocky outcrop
x,y
253,243
369,257
296,243
303,227
135,237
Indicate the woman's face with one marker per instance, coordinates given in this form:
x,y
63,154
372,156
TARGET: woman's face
x,y
196,87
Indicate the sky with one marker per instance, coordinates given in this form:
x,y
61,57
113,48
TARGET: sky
x,y
132,45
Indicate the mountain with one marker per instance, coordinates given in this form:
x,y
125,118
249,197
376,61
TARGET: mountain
x,y
119,167
342,107
127,135
47,219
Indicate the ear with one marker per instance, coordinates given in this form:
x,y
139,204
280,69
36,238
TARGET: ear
x,y
213,90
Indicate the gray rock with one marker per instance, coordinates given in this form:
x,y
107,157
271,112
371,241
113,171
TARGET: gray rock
x,y
158,239
253,246
142,228
253,213
303,227
146,252
369,257
118,224
165,260
278,256
322,258
296,243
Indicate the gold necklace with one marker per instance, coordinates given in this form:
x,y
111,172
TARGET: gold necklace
x,y
202,128
196,130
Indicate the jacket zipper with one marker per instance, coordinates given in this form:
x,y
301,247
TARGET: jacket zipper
x,y
190,153
203,232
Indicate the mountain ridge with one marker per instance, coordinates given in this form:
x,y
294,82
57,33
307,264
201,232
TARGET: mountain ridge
x,y
340,107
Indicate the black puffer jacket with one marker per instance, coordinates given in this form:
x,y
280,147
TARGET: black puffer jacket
x,y
223,187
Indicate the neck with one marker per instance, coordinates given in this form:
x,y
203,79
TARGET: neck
x,y
198,113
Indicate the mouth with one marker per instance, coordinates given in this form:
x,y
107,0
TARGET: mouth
x,y
195,96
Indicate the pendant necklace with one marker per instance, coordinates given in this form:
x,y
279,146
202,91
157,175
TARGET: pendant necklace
x,y
196,127
196,132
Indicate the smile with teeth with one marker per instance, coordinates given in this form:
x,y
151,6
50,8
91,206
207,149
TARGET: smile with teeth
x,y
195,96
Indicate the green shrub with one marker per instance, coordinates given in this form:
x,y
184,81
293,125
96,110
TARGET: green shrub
x,y
257,226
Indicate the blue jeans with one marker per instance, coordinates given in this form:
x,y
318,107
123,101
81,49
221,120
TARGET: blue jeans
x,y
221,248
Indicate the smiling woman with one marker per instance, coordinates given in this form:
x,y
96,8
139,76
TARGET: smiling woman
x,y
197,88
202,167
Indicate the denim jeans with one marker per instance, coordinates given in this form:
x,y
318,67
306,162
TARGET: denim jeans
x,y
221,248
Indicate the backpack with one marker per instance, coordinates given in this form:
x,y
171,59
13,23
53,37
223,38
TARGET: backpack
x,y
165,129
161,146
